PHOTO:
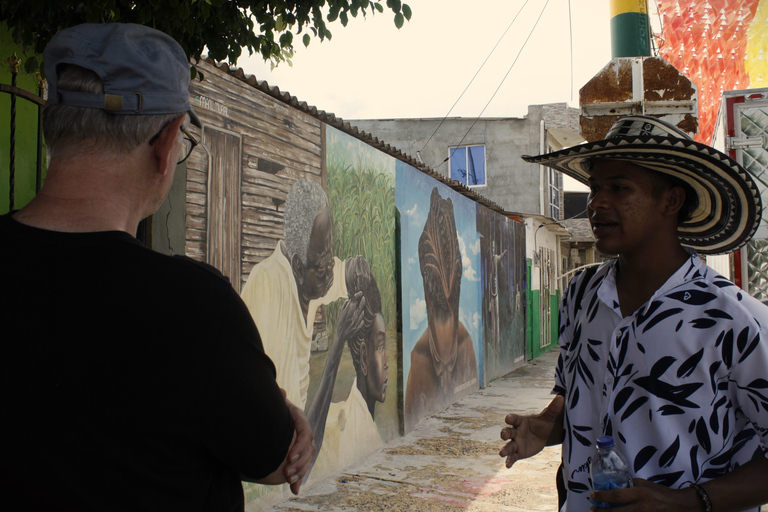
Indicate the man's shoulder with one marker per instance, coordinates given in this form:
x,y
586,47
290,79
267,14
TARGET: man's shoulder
x,y
711,289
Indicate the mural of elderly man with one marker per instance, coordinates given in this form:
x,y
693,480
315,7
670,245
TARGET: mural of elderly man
x,y
284,291
443,360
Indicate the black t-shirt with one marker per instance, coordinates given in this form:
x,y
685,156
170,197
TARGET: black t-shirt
x,y
131,380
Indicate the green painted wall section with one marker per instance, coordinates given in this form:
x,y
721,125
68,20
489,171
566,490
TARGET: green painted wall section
x,y
533,333
554,303
534,348
26,129
528,311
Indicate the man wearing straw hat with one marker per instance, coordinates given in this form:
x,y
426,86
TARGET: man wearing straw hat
x,y
657,349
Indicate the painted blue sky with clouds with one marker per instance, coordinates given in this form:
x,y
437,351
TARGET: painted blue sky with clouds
x,y
413,191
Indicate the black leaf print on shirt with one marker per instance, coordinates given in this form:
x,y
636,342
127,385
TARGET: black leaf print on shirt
x,y
642,316
661,316
592,309
668,410
718,313
633,407
702,434
661,366
583,440
703,323
574,398
693,297
714,420
577,487
666,479
727,348
712,371
752,346
621,398
678,395
668,457
643,456
695,463
742,339
686,369
593,354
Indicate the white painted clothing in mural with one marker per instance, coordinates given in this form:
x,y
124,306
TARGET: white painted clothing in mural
x,y
350,435
272,297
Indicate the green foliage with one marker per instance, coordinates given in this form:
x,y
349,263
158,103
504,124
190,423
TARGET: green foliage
x,y
362,199
225,27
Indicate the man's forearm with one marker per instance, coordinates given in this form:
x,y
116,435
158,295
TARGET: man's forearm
x,y
740,489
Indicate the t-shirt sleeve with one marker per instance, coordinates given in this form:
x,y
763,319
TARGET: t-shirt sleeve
x,y
246,423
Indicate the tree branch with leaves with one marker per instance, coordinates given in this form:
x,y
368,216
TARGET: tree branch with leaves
x,y
224,27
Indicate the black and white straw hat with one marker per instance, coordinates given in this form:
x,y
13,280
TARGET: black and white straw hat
x,y
729,207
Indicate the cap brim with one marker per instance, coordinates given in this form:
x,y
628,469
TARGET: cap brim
x,y
729,209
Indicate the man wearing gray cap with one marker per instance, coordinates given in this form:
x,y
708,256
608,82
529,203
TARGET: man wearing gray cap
x,y
130,380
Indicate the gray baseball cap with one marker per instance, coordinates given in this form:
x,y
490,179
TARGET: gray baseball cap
x,y
143,70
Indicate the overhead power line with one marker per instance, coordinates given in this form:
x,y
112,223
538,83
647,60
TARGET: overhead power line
x,y
473,78
502,80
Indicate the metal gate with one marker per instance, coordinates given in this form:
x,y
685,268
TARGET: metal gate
x,y
750,142
16,94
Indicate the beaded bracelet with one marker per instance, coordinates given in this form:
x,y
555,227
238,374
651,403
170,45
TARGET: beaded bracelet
x,y
704,497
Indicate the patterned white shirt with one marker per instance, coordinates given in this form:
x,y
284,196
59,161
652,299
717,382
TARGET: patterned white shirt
x,y
681,384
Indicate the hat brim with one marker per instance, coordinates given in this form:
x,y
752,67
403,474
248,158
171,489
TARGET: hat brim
x,y
729,207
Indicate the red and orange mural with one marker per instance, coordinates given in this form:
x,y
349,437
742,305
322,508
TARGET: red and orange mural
x,y
719,44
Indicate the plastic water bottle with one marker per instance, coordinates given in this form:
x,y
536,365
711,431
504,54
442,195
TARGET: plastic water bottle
x,y
609,471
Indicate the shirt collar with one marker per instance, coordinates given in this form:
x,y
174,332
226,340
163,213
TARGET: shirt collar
x,y
608,294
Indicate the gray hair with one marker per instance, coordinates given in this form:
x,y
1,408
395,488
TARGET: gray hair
x,y
67,128
304,203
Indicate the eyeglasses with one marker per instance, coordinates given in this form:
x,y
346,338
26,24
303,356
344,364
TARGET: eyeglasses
x,y
188,143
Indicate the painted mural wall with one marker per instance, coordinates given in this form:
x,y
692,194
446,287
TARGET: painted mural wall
x,y
441,294
502,263
381,294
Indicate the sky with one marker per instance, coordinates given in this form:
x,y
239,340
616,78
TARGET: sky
x,y
371,70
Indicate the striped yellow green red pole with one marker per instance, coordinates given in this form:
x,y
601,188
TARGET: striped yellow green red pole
x,y
630,29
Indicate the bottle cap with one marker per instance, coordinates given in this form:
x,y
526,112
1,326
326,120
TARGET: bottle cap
x,y
605,442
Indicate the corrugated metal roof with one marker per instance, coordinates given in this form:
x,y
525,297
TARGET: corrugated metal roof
x,y
340,124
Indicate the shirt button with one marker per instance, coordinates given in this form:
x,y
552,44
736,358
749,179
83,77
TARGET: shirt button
x,y
609,381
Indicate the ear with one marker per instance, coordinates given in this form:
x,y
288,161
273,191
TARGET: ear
x,y
165,145
675,201
364,358
298,269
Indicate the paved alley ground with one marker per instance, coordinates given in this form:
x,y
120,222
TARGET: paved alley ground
x,y
450,461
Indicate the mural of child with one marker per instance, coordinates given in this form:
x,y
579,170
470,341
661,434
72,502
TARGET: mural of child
x,y
350,431
443,361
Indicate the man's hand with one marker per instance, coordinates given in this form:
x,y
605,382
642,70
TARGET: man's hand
x,y
302,453
357,274
649,496
527,435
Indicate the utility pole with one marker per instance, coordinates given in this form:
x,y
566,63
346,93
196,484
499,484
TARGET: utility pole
x,y
634,82
630,29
